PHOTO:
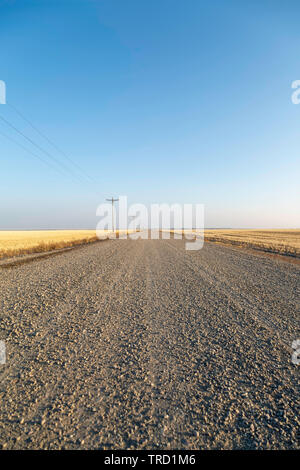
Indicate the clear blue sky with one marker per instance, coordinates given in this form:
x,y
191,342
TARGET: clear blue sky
x,y
162,101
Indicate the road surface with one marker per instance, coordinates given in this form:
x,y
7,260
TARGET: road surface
x,y
143,345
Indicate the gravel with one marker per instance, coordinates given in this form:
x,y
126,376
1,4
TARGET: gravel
x,y
143,345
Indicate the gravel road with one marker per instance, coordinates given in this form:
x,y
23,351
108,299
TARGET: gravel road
x,y
143,345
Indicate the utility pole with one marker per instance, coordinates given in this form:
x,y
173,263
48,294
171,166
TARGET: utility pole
x,y
112,200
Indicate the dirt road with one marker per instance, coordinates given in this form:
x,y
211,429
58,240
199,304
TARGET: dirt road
x,y
143,345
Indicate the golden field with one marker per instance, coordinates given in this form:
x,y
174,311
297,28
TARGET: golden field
x,y
17,242
13,243
279,241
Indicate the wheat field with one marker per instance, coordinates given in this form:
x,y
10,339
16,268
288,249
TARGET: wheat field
x,y
14,243
18,242
278,241
284,242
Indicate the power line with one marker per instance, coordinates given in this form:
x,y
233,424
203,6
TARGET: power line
x,y
31,153
52,143
38,146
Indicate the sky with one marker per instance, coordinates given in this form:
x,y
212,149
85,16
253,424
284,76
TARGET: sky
x,y
164,101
